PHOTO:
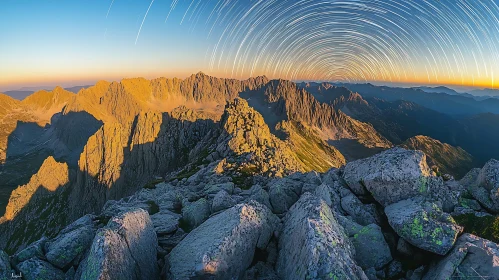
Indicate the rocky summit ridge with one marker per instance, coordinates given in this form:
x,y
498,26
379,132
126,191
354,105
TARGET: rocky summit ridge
x,y
207,178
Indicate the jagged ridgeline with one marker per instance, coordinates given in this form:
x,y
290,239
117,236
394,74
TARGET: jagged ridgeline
x,y
225,177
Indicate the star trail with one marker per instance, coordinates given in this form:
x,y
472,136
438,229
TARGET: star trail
x,y
454,42
363,40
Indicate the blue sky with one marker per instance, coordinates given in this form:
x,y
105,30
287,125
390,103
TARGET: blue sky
x,y
51,41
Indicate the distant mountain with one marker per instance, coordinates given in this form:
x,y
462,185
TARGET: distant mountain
x,y
400,120
449,159
18,94
440,102
485,92
439,89
21,94
478,95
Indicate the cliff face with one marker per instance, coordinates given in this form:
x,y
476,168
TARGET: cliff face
x,y
281,100
37,207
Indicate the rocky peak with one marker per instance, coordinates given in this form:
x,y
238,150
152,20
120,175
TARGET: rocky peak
x,y
46,100
246,133
51,176
7,103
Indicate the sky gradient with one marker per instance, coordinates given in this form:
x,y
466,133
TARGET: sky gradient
x,y
71,42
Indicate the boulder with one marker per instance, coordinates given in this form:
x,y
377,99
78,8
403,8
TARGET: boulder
x,y
313,178
195,213
371,248
223,247
124,249
216,188
351,228
391,176
36,269
69,247
222,201
472,257
423,225
444,194
33,250
363,214
486,187
165,222
259,195
283,194
489,176
324,192
312,245
114,208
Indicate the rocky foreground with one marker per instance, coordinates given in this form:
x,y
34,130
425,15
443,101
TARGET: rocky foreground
x,y
385,217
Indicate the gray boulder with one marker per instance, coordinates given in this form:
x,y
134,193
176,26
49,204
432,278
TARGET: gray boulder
x,y
165,222
371,248
423,225
472,257
195,213
312,244
222,201
313,178
223,247
214,189
324,192
124,249
283,194
363,214
114,208
351,228
445,194
470,178
36,269
390,176
259,195
69,247
33,250
486,187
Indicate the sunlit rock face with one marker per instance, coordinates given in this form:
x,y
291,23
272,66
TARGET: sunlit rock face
x,y
36,207
224,246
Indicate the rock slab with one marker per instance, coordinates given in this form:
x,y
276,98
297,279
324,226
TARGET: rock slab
x,y
125,249
313,245
423,225
223,246
391,176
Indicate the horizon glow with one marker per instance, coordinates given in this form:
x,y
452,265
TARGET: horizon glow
x,y
427,42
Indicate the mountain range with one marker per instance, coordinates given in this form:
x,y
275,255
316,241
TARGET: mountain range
x,y
116,147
